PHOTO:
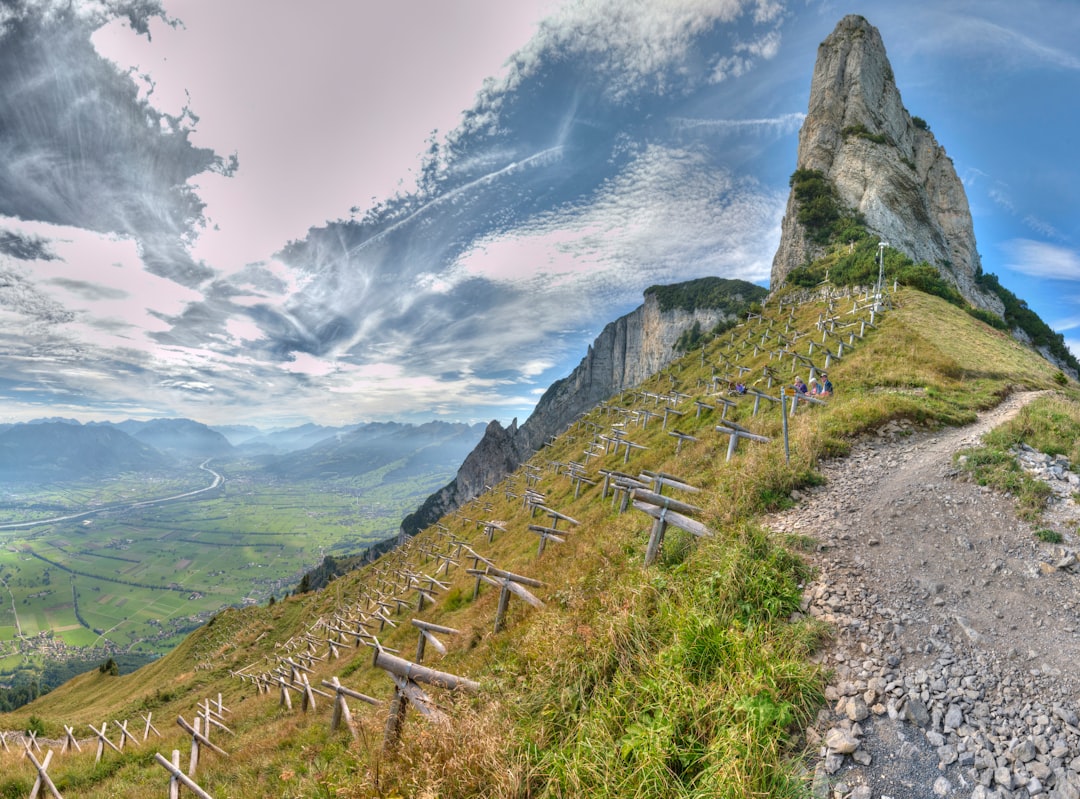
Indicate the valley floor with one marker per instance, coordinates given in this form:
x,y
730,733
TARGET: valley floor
x,y
957,629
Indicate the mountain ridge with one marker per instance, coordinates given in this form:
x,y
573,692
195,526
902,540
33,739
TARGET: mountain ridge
x,y
626,352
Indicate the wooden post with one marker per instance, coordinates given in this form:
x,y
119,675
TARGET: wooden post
x,y
427,630
174,782
42,778
70,741
193,763
341,709
783,417
149,726
173,768
101,740
405,676
197,739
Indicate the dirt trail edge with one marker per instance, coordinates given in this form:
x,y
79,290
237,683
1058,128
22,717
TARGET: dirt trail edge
x,y
957,653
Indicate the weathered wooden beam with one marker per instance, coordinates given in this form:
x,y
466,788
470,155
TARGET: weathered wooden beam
x,y
417,673
43,778
173,767
673,517
680,438
662,501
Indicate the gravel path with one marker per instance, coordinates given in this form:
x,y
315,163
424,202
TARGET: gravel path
x,y
957,640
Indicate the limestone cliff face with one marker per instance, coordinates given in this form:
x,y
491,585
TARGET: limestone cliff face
x,y
626,352
890,169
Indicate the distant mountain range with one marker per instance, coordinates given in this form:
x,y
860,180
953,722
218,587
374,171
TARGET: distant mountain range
x,y
50,450
53,451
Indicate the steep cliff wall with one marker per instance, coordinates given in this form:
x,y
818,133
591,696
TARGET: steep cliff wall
x,y
626,352
883,164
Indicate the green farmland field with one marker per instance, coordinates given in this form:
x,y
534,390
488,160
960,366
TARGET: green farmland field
x,y
137,579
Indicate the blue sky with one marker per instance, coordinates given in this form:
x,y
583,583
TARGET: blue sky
x,y
241,212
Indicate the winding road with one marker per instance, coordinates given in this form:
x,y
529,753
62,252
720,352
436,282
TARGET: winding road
x,y
215,483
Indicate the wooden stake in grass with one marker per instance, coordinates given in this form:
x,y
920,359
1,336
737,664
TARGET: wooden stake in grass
x,y
406,675
179,776
149,726
70,741
341,709
102,740
42,778
665,511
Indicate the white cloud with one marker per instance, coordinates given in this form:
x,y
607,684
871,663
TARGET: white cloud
x,y
1039,259
783,125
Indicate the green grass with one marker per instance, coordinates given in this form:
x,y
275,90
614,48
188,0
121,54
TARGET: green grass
x,y
1051,425
691,678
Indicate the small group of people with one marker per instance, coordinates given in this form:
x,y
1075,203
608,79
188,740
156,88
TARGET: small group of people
x,y
822,388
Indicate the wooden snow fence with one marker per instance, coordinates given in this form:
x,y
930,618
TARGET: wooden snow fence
x,y
32,742
407,676
425,586
680,438
508,583
797,397
734,433
102,741
664,511
668,413
644,414
578,475
178,777
475,569
341,708
124,734
621,487
43,780
552,532
70,741
149,726
199,740
427,634
758,397
629,445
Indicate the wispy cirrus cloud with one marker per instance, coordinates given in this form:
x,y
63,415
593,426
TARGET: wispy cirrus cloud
x,y
1040,259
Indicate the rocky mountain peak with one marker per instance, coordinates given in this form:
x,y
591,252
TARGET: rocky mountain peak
x,y
883,162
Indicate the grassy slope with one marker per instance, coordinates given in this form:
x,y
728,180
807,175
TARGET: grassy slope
x,y
689,678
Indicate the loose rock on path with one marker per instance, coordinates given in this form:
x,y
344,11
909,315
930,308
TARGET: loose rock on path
x,y
957,631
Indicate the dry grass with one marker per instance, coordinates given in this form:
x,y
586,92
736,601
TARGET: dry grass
x,y
686,679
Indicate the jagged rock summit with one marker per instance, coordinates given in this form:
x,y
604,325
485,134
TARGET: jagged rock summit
x,y
883,162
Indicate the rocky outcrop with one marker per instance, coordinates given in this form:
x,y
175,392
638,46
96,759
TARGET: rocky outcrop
x,y
884,163
627,351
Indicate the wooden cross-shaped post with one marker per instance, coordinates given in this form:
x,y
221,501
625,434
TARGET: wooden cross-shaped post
x,y
427,634
341,708
179,777
511,583
43,778
124,734
630,444
735,432
665,511
680,438
149,726
102,740
70,741
406,675
553,532
198,740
